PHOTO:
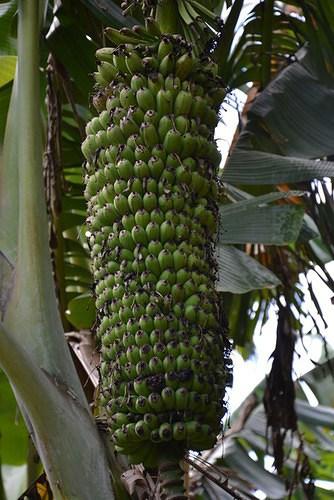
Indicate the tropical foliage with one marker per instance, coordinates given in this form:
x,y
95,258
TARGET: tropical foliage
x,y
276,213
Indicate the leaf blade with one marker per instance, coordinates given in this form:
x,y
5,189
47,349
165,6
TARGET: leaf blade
x,y
240,273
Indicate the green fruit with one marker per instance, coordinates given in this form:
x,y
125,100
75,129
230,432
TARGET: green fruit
x,y
179,431
181,124
139,235
156,402
155,365
145,99
165,432
154,82
183,103
142,218
167,231
149,134
141,169
168,397
128,127
173,141
115,135
155,247
125,169
152,231
134,63
165,124
166,65
165,259
150,201
156,166
184,65
163,287
157,216
164,102
119,61
136,115
135,202
142,430
165,47
127,97
107,71
138,81
152,196
142,153
151,116
159,151
126,240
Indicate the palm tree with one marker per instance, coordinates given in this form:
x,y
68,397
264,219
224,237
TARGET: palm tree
x,y
41,371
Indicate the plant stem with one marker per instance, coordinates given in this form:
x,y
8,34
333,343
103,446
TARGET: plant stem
x,y
66,438
33,350
34,466
167,16
32,314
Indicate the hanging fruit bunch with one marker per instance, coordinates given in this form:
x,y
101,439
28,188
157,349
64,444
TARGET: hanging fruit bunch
x,y
151,188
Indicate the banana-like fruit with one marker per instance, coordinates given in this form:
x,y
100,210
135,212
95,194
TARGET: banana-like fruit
x,y
152,197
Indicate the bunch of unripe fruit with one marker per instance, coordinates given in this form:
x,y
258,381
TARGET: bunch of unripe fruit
x,y
151,189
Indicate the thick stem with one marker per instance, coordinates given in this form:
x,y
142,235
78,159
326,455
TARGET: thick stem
x,y
66,438
167,16
33,300
33,350
34,467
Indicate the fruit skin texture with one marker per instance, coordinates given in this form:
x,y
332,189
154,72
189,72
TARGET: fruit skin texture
x,y
151,168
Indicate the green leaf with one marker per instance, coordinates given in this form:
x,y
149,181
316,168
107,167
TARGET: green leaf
x,y
109,13
7,69
7,11
257,168
246,201
250,220
81,311
13,432
237,458
75,53
5,93
69,220
315,415
77,271
276,225
321,250
9,186
240,273
309,230
302,127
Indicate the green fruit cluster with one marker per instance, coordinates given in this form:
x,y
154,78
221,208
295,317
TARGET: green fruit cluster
x,y
151,191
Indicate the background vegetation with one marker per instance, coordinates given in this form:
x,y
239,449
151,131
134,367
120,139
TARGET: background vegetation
x,y
276,225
